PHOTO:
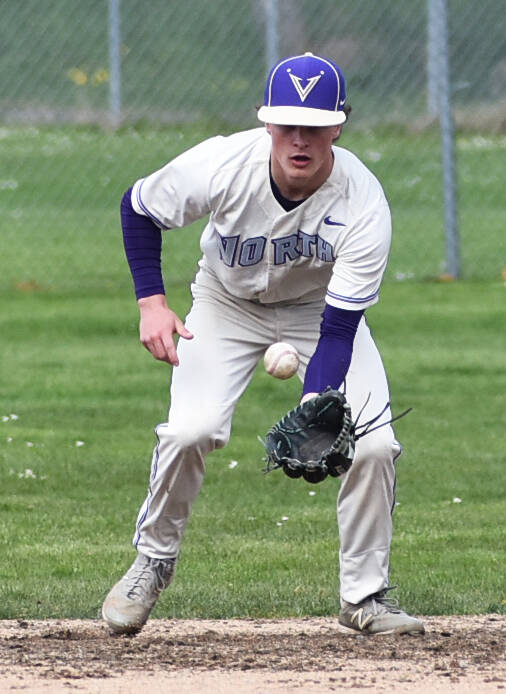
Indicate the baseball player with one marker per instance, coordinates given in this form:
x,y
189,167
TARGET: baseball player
x,y
294,250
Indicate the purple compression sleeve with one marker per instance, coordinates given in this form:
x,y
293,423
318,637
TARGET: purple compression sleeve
x,y
143,247
330,362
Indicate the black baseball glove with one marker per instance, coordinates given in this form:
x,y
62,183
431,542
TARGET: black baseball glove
x,y
314,439
317,438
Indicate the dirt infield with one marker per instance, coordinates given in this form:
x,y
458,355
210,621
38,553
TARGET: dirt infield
x,y
313,656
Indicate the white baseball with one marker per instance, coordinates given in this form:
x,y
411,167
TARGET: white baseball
x,y
281,360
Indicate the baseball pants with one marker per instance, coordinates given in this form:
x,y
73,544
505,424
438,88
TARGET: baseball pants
x,y
230,337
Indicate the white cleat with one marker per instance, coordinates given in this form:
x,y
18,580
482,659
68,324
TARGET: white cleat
x,y
379,614
129,603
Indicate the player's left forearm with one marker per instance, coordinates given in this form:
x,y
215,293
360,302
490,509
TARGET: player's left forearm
x,y
331,360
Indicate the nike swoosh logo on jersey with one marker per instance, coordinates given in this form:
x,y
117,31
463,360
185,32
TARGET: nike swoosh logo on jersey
x,y
329,221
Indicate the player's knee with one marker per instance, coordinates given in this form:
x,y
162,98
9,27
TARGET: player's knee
x,y
377,449
206,433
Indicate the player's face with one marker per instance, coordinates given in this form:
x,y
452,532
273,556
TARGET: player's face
x,y
301,157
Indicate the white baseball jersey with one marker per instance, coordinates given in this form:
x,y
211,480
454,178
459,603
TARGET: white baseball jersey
x,y
336,243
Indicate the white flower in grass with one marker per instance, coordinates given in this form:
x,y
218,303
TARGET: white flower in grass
x,y
13,416
456,500
233,464
402,276
30,444
79,444
284,518
8,185
279,524
27,474
9,439
312,493
413,181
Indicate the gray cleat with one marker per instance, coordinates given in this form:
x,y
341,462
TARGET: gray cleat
x,y
129,603
379,614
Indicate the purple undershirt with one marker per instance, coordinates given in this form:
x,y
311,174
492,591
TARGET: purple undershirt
x,y
143,247
329,364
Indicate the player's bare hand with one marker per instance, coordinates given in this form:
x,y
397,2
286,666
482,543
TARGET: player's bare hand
x,y
307,396
158,325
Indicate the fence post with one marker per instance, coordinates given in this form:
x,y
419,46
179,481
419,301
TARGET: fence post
x,y
433,42
438,14
114,63
271,32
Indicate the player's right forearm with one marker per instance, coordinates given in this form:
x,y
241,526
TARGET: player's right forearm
x,y
142,240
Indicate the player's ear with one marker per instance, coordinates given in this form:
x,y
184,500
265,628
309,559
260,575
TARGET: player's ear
x,y
337,132
268,128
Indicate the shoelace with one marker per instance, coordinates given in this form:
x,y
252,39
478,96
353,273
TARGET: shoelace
x,y
390,604
365,614
148,578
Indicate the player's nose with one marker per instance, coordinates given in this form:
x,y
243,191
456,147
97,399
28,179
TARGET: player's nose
x,y
299,135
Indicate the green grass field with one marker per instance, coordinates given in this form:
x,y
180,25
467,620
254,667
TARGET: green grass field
x,y
72,371
79,398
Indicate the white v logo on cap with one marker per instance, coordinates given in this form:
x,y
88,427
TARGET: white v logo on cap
x,y
304,92
313,96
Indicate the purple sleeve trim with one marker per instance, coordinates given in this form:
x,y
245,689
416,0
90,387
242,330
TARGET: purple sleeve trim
x,y
142,240
353,300
331,360
145,209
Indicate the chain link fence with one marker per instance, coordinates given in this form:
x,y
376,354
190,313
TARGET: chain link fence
x,y
129,69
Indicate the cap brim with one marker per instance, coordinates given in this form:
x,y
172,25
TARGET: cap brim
x,y
300,115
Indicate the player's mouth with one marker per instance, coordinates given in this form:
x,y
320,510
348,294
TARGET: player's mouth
x,y
300,161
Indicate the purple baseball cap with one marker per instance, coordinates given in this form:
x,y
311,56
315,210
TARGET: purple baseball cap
x,y
304,90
